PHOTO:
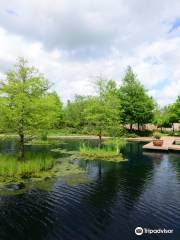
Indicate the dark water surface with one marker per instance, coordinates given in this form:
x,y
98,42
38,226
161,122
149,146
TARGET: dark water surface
x,y
144,191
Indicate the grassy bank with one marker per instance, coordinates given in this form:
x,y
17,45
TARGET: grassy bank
x,y
60,132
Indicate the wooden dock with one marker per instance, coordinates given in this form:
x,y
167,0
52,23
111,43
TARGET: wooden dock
x,y
168,145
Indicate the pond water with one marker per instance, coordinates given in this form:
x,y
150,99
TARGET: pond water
x,y
117,198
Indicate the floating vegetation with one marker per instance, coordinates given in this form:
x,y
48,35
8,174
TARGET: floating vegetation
x,y
66,167
110,151
69,177
74,179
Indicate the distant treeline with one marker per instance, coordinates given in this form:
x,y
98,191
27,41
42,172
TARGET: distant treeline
x,y
127,104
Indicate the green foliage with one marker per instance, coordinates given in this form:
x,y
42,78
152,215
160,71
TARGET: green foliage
x,y
136,105
95,115
161,118
73,113
105,153
56,110
135,133
102,112
50,115
52,107
26,105
34,164
131,135
167,116
63,132
116,143
20,94
36,167
175,110
156,135
109,150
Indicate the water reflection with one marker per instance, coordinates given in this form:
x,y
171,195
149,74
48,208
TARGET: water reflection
x,y
144,191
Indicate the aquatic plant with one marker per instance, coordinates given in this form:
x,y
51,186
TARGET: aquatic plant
x,y
107,152
115,144
35,163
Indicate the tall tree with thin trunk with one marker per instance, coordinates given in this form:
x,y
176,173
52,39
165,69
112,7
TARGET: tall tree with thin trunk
x,y
102,112
26,107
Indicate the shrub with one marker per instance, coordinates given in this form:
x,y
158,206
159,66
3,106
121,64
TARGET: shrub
x,y
156,135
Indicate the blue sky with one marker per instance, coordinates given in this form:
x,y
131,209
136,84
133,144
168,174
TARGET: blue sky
x,y
175,25
72,42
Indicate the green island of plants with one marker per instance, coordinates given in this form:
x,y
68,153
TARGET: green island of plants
x,y
109,151
98,153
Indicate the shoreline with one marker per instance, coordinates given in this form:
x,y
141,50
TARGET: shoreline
x,y
93,137
90,137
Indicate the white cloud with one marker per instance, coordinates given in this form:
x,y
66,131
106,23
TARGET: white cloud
x,y
72,41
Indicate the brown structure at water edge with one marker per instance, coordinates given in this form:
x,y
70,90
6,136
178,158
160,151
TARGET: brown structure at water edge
x,y
169,144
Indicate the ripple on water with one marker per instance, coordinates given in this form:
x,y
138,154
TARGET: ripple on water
x,y
144,191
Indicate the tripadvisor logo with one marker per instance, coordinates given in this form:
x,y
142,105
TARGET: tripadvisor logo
x,y
139,231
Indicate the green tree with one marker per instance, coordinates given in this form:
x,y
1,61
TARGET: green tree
x,y
26,107
176,109
172,113
73,114
51,113
55,102
161,118
136,106
102,112
168,115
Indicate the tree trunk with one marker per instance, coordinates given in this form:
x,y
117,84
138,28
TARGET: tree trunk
x,y
173,127
131,126
138,127
100,139
21,147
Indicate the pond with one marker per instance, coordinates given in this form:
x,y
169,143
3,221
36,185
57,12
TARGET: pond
x,y
116,198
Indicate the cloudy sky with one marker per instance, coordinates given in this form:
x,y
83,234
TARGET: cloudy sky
x,y
72,41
